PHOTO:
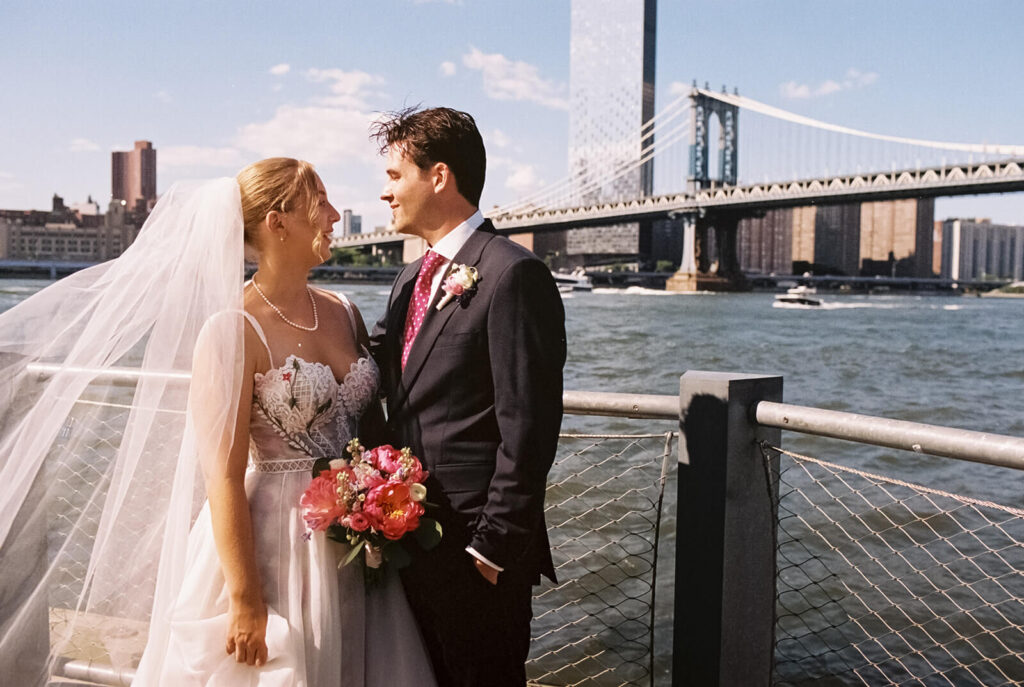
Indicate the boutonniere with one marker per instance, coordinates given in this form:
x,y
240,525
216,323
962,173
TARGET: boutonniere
x,y
460,283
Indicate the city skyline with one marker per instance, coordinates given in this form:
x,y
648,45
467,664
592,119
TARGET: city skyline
x,y
215,87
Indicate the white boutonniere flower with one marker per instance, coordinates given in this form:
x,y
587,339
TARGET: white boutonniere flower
x,y
460,283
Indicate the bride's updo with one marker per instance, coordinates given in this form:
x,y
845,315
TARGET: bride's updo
x,y
277,183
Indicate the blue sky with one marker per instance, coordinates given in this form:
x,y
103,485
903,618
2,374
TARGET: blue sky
x,y
217,84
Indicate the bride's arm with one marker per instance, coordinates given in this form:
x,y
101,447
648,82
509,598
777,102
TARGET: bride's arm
x,y
232,528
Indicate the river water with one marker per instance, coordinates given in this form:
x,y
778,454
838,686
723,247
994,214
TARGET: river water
x,y
939,359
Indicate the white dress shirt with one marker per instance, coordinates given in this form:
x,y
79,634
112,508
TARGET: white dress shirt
x,y
448,247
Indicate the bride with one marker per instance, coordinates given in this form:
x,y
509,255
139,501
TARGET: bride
x,y
191,521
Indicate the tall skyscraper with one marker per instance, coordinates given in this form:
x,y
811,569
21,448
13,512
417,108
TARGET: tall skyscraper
x,y
611,94
133,176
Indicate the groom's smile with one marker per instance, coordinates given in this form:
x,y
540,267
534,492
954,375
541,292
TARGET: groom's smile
x,y
408,192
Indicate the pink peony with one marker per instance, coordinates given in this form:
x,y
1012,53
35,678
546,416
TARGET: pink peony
x,y
391,510
356,521
385,458
319,502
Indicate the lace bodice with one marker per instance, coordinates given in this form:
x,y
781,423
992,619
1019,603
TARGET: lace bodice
x,y
300,412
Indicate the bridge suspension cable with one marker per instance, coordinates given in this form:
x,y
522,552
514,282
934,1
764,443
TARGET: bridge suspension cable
x,y
757,106
564,190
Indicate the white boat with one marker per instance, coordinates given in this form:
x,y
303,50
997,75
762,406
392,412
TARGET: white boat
x,y
577,280
801,296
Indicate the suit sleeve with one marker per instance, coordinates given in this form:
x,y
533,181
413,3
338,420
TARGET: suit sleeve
x,y
526,340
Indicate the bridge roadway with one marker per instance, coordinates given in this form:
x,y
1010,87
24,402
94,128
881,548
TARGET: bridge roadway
x,y
950,180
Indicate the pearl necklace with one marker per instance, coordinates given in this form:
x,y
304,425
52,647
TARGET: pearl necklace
x,y
309,292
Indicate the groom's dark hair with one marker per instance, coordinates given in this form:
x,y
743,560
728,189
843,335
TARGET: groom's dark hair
x,y
438,134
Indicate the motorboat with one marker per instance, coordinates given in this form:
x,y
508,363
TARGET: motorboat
x,y
577,280
798,296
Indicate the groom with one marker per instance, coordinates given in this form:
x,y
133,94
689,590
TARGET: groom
x,y
474,387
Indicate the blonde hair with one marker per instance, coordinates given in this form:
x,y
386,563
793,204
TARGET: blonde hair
x,y
276,183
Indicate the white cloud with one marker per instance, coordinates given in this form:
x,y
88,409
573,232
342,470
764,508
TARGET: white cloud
x,y
447,69
321,134
498,138
505,79
852,80
280,69
163,96
523,178
83,145
200,156
348,89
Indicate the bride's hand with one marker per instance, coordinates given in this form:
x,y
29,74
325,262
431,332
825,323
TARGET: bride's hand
x,y
247,632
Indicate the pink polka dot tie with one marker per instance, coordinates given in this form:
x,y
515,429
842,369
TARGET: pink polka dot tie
x,y
420,300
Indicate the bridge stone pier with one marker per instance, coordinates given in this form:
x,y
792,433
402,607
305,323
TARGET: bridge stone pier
x,y
710,260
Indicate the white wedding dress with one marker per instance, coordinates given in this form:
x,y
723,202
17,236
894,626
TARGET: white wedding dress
x,y
324,629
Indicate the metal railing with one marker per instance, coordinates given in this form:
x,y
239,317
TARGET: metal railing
x,y
885,581
788,569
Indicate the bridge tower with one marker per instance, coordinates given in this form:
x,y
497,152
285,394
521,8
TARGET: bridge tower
x,y
710,260
702,107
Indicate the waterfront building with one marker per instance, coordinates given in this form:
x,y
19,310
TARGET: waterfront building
x,y
133,177
611,96
978,249
885,238
66,234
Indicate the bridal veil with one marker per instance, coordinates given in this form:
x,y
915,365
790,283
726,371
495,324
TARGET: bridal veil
x,y
116,383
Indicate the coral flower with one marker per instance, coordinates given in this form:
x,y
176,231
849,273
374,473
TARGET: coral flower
x,y
392,511
319,502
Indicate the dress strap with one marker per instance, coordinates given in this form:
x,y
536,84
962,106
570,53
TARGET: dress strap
x,y
351,313
259,332
351,318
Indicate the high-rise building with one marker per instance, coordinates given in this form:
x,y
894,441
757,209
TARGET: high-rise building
x,y
351,223
133,176
611,96
978,249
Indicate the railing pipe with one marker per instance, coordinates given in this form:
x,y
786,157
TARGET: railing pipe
x,y
646,406
949,442
97,673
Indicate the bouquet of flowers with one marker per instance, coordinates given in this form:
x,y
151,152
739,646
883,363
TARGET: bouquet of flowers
x,y
371,501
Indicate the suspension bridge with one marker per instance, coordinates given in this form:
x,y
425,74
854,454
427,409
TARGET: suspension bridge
x,y
780,160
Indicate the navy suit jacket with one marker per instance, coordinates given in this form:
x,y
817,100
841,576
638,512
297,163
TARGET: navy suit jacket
x,y
480,399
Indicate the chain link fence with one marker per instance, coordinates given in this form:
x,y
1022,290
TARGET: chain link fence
x,y
604,503
604,510
880,581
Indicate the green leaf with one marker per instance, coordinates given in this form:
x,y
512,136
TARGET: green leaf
x,y
395,555
428,534
356,550
321,464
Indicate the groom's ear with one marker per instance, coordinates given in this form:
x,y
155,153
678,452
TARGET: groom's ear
x,y
441,175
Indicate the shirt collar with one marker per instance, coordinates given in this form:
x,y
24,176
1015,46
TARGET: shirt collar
x,y
449,246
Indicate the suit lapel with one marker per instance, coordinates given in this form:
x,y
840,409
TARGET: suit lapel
x,y
435,320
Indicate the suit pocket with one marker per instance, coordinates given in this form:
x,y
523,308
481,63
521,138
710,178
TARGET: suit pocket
x,y
457,478
465,484
456,339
